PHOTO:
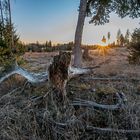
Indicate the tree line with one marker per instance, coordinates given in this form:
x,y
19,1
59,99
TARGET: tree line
x,y
97,10
121,40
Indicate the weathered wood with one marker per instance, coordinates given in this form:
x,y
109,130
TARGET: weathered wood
x,y
99,130
36,78
93,129
31,77
110,79
90,104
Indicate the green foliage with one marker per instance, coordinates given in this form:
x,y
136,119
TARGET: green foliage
x,y
127,35
99,10
10,46
134,48
122,40
108,35
65,47
8,53
6,58
49,47
125,8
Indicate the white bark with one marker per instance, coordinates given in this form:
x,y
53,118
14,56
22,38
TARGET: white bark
x,y
78,34
90,104
36,78
31,77
63,127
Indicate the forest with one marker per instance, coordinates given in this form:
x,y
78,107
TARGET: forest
x,y
72,90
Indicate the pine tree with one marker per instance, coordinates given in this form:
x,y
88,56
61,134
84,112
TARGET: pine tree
x,y
108,36
134,47
10,46
127,35
104,39
118,37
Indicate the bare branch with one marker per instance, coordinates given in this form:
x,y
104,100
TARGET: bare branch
x,y
90,104
112,130
36,78
91,129
31,77
110,79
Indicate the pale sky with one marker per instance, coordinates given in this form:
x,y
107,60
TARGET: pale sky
x,y
41,20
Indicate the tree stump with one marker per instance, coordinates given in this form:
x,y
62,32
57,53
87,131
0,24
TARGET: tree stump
x,y
86,55
58,72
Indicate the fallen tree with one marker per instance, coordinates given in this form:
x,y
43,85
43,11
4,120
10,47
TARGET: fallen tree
x,y
36,78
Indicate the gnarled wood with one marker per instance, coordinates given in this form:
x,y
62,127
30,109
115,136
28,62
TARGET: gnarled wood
x,y
90,104
64,127
36,78
31,77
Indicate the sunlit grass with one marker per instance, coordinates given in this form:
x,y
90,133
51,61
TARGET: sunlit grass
x,y
103,48
103,45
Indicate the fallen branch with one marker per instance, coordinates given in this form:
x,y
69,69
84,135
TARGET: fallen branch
x,y
112,130
74,72
110,79
90,104
92,129
31,77
36,78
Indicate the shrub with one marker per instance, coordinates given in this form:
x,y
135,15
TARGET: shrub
x,y
134,48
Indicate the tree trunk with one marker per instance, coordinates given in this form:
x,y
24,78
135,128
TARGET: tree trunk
x,y
2,19
11,30
78,34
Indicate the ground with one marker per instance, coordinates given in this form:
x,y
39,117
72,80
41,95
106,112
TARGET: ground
x,y
115,75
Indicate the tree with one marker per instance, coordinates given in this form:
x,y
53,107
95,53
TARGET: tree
x,y
10,47
99,11
134,47
122,40
108,36
50,44
127,37
79,32
136,36
104,39
118,37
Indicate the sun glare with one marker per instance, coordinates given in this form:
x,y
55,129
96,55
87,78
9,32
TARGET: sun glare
x,y
103,44
103,48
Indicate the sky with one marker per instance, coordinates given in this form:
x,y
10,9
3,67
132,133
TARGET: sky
x,y
56,20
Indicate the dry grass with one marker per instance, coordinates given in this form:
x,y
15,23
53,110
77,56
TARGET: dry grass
x,y
25,115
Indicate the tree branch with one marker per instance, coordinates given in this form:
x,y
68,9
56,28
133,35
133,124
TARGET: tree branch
x,y
90,104
112,130
31,77
91,129
36,78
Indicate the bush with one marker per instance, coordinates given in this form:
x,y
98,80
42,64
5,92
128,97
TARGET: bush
x,y
134,48
134,55
6,58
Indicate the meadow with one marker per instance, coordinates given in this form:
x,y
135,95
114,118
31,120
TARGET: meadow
x,y
102,104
